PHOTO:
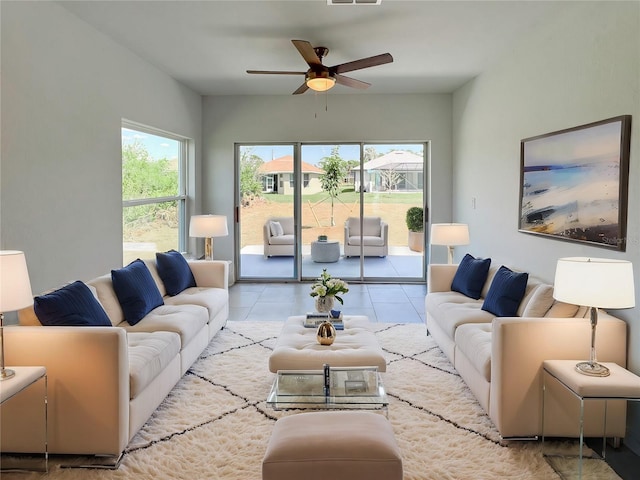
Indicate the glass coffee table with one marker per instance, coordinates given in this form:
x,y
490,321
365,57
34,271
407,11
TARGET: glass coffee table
x,y
346,388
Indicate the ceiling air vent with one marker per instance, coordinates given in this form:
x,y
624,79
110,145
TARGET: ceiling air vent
x,y
354,2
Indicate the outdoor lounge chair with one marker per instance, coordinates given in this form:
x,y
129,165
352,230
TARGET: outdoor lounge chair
x,y
278,235
374,238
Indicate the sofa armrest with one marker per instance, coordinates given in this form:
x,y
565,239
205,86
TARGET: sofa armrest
x,y
210,273
440,276
518,348
346,232
88,389
384,233
266,233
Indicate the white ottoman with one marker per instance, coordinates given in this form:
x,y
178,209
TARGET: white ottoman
x,y
325,252
298,349
336,445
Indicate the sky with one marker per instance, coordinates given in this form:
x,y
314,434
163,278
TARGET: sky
x,y
158,147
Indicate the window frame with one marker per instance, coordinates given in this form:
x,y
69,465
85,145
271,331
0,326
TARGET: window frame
x,y
182,196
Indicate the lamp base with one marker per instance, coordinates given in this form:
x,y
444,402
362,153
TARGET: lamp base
x,y
592,369
6,373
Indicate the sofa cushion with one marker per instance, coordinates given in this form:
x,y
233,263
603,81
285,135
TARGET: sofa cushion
x,y
149,354
213,299
136,290
449,315
471,276
563,310
281,240
506,292
174,272
367,241
276,229
539,303
71,305
474,341
185,320
371,227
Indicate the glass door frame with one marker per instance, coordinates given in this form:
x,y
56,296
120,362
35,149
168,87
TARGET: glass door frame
x,y
297,259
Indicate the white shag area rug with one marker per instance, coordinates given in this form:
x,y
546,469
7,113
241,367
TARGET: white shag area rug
x,y
215,423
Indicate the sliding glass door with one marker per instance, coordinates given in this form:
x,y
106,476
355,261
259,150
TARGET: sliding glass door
x,y
266,236
305,207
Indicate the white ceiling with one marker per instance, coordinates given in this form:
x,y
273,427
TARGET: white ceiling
x,y
208,45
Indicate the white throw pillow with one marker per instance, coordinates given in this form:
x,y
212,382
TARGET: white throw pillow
x,y
276,229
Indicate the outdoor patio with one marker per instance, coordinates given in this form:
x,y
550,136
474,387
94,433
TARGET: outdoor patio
x,y
400,263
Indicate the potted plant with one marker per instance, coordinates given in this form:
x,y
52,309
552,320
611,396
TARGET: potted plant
x,y
415,224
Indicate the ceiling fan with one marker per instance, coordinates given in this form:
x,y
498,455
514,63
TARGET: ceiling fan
x,y
320,77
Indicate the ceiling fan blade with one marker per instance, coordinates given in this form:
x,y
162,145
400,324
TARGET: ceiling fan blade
x,y
351,82
307,52
362,63
275,72
301,89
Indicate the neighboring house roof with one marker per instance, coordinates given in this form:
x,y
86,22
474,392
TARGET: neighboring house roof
x,y
396,160
285,165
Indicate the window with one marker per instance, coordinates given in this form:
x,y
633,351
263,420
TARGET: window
x,y
153,192
326,185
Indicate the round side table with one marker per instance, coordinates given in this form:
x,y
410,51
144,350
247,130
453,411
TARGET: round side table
x,y
325,252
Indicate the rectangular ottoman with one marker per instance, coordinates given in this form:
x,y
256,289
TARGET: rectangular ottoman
x,y
298,349
337,445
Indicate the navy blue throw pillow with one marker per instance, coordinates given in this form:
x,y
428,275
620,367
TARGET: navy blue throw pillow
x,y
505,293
72,306
174,272
470,276
136,290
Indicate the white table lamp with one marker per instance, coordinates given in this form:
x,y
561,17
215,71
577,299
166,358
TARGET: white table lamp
x,y
449,234
594,283
207,227
15,293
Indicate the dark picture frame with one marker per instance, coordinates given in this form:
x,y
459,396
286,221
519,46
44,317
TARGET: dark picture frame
x,y
574,183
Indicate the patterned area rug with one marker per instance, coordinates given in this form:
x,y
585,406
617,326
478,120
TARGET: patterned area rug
x,y
215,423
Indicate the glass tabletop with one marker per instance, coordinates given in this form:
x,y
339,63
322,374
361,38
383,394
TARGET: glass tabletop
x,y
339,388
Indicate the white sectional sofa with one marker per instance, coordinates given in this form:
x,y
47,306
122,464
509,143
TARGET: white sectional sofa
x,y
500,358
104,382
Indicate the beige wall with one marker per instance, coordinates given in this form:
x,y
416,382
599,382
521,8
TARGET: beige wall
x,y
65,90
350,117
581,66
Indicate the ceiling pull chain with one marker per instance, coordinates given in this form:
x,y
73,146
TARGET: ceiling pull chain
x,y
315,105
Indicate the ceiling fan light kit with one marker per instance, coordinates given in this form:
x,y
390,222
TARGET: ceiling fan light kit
x,y
321,78
320,81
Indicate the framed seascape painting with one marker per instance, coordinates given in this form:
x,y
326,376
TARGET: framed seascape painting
x,y
573,183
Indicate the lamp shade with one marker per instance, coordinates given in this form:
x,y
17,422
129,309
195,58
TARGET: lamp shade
x,y
208,226
15,287
449,234
594,282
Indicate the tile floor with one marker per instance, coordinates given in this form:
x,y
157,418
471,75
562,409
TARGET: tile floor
x,y
383,303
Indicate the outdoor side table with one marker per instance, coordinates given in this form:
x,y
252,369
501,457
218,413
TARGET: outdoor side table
x,y
621,384
325,252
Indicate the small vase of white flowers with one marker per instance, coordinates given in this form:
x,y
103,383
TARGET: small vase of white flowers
x,y
325,289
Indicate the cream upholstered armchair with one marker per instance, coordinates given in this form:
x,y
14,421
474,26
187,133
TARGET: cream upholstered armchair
x,y
374,238
278,236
